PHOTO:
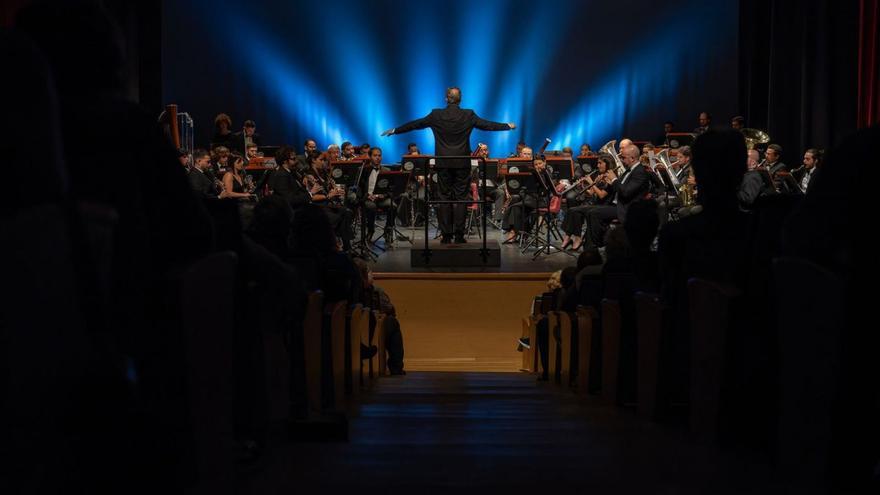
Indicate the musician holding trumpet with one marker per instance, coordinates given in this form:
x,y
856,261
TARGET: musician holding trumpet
x,y
598,189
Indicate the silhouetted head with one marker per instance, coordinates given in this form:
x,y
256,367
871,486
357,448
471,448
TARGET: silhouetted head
x,y
590,257
312,232
719,162
567,277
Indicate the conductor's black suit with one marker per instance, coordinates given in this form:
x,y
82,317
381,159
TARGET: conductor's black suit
x,y
452,128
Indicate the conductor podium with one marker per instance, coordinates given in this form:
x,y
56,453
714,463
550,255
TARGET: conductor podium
x,y
437,254
469,255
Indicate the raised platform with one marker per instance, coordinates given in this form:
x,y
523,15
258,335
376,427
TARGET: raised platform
x,y
456,255
406,257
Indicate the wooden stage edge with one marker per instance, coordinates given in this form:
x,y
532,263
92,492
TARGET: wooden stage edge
x,y
461,276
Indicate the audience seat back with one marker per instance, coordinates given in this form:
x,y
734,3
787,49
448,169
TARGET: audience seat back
x,y
710,313
810,311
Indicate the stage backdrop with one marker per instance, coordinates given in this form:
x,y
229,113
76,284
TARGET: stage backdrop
x,y
575,71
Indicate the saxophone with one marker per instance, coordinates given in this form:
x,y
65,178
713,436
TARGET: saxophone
x,y
687,193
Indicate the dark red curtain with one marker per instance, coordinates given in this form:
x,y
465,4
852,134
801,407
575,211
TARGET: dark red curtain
x,y
869,83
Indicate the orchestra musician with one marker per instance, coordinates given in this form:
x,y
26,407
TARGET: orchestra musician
x,y
774,163
348,152
804,174
371,201
597,189
705,121
233,182
520,207
632,186
200,180
310,150
494,190
753,185
286,181
332,153
452,128
325,193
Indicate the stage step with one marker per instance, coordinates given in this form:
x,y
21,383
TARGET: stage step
x,y
456,255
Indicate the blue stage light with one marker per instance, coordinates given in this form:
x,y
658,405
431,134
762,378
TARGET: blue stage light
x,y
346,70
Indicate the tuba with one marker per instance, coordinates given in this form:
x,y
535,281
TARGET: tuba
x,y
609,148
754,137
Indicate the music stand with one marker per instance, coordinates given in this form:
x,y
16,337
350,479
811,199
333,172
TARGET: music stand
x,y
268,150
391,184
415,164
790,183
560,168
679,139
345,173
587,163
515,165
530,186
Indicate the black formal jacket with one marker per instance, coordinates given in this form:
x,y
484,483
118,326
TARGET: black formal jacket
x,y
452,128
286,184
798,175
778,167
637,184
237,141
202,184
752,187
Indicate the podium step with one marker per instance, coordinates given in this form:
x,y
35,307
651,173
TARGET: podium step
x,y
455,255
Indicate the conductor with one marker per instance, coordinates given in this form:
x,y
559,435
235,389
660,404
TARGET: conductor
x,y
452,128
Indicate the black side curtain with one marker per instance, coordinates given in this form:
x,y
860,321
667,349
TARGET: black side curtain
x,y
798,71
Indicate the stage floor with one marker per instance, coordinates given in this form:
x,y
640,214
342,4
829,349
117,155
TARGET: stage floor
x,y
398,259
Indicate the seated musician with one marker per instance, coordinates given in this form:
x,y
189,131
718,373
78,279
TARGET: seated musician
x,y
251,152
598,190
754,183
412,203
200,179
326,194
512,222
520,208
372,201
222,130
632,186
183,157
332,153
348,152
220,161
774,163
804,174
286,180
494,191
234,186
